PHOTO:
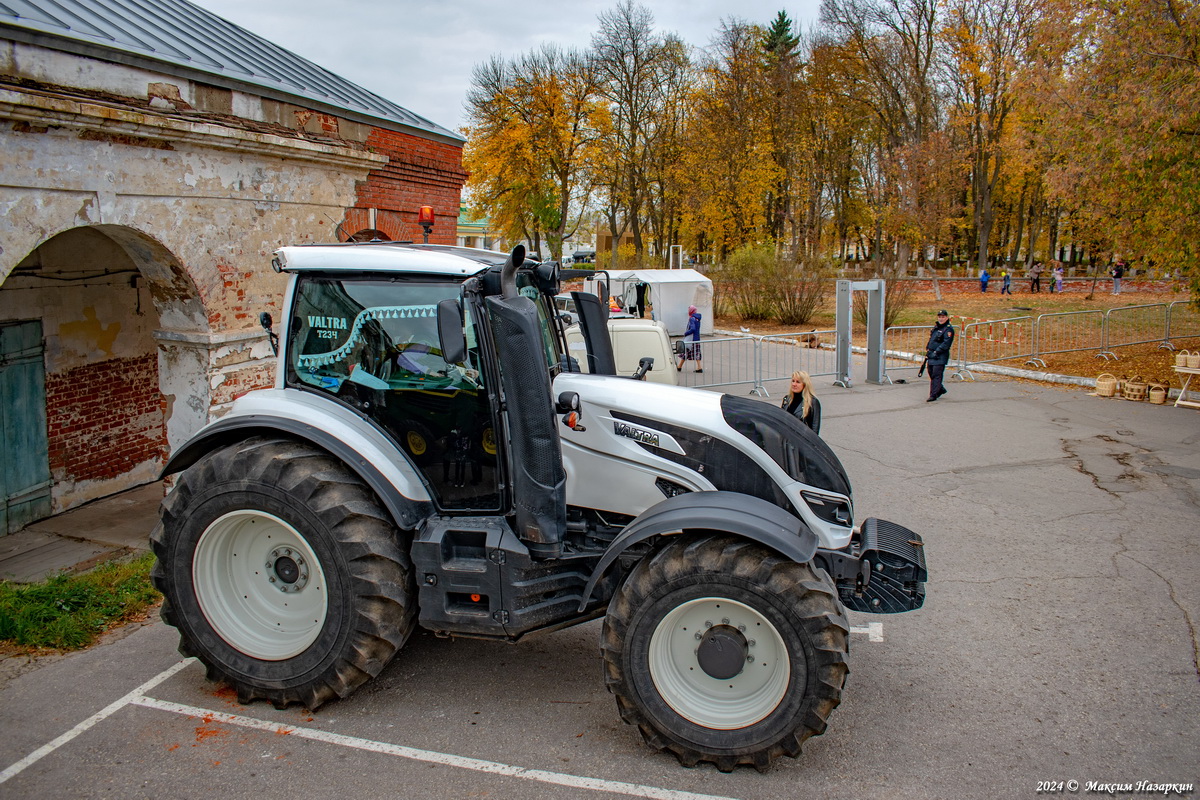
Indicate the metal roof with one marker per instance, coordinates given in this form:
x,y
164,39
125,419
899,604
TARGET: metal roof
x,y
180,38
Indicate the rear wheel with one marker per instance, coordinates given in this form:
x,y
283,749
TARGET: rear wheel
x,y
721,650
282,573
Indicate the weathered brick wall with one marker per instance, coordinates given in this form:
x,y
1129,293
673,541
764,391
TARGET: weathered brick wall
x,y
420,172
104,419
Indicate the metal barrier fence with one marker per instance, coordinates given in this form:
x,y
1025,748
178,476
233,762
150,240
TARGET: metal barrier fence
x,y
1134,325
1067,332
781,354
756,361
1183,321
904,348
994,340
731,361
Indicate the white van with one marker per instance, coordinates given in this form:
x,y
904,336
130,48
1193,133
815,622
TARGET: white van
x,y
632,340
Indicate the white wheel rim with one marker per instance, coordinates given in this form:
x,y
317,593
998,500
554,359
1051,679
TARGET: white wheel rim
x,y
240,578
736,702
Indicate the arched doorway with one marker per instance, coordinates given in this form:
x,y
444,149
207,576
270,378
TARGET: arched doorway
x,y
89,307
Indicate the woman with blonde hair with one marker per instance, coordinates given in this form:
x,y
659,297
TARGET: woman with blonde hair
x,y
802,403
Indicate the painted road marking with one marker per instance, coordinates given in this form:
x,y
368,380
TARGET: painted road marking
x,y
138,697
430,756
108,711
873,630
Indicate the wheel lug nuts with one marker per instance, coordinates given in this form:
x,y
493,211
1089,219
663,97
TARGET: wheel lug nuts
x,y
699,636
708,623
752,643
749,659
272,580
742,628
725,621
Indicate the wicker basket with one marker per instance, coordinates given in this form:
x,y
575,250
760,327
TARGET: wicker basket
x,y
1135,388
1193,360
1181,358
1158,393
1106,385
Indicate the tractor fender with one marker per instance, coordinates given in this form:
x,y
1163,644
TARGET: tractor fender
x,y
363,449
728,512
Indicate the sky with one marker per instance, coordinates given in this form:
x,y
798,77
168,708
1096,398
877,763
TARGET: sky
x,y
420,55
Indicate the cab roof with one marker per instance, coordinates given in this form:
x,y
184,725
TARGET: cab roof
x,y
423,259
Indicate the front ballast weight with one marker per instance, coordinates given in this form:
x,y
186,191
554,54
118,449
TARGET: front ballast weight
x,y
883,571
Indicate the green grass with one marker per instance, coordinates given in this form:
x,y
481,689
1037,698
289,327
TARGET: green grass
x,y
68,612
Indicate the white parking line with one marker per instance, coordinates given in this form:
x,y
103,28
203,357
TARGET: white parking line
x,y
873,630
108,711
560,779
138,697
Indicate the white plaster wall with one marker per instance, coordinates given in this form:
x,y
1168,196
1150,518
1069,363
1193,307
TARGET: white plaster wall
x,y
197,208
63,69
221,213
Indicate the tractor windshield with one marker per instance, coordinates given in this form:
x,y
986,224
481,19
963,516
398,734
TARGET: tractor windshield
x,y
373,344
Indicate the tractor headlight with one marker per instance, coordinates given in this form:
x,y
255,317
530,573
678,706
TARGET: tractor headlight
x,y
831,509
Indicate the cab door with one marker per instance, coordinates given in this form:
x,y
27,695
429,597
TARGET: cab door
x,y
25,471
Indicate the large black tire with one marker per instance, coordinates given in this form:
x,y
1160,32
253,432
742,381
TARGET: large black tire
x,y
721,650
283,573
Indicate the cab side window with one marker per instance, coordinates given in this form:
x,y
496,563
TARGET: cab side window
x,y
374,345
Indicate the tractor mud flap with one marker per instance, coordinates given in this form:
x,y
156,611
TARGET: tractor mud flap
x,y
896,559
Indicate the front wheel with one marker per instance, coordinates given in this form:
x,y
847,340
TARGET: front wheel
x,y
721,650
282,572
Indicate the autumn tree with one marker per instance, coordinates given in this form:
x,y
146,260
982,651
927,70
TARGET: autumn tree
x,y
1123,96
888,55
728,145
988,43
641,80
531,143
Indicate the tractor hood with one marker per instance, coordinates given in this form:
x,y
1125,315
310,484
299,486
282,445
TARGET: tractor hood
x,y
695,417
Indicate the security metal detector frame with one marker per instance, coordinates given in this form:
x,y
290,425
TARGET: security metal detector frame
x,y
875,294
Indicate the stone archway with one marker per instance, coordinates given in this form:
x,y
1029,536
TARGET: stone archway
x,y
116,310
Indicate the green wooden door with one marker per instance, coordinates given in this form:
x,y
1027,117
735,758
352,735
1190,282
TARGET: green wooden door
x,y
25,465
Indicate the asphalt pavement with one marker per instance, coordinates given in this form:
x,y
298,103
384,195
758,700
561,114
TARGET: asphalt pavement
x,y
1057,648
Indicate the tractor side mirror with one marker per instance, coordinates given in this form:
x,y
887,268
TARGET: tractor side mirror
x,y
264,319
450,331
547,278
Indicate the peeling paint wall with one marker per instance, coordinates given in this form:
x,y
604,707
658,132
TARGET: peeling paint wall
x,y
138,215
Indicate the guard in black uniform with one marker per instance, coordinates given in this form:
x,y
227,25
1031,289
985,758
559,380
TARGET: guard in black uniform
x,y
937,354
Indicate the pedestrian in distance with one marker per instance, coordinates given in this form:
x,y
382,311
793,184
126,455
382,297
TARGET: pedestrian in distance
x,y
1117,272
937,354
801,403
691,350
1006,287
984,277
1035,277
1058,277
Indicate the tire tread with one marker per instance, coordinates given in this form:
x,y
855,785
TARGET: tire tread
x,y
806,589
380,571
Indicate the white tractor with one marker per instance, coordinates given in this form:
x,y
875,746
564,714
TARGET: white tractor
x,y
431,455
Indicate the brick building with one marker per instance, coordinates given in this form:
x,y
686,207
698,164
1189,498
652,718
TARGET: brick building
x,y
152,156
